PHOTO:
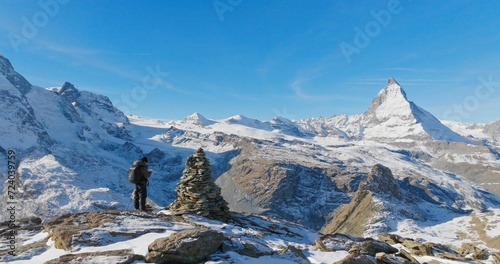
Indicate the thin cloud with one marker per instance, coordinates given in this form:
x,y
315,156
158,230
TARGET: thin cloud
x,y
410,70
297,88
403,81
69,50
94,58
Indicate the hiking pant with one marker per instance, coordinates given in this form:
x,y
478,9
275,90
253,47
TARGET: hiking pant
x,y
140,194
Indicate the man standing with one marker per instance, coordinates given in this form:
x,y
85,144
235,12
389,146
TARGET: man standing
x,y
141,186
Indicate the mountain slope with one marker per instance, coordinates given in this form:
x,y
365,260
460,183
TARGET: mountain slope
x,y
74,149
392,116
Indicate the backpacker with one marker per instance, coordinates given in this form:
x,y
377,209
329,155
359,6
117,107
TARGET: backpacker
x,y
134,174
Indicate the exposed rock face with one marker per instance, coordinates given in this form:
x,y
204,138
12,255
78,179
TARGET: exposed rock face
x,y
197,192
15,78
351,218
375,195
63,228
493,129
263,179
367,250
467,252
366,246
380,180
187,246
115,256
356,258
73,231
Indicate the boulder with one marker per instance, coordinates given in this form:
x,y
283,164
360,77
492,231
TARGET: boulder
x,y
296,254
62,229
496,257
345,242
246,247
337,241
388,259
372,247
356,258
390,239
114,256
187,246
74,231
419,249
469,250
405,254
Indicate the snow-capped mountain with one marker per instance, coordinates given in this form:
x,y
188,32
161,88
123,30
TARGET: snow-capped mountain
x,y
73,150
391,116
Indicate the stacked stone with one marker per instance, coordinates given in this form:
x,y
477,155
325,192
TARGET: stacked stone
x,y
197,192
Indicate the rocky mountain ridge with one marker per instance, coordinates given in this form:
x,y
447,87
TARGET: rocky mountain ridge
x,y
113,236
74,148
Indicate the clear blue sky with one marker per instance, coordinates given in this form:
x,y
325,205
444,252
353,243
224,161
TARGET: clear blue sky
x,y
261,59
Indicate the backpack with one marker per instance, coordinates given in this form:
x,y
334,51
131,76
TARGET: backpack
x,y
134,174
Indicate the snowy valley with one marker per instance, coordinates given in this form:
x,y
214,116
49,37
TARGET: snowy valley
x,y
393,169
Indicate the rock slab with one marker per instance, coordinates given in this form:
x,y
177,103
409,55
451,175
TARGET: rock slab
x,y
187,246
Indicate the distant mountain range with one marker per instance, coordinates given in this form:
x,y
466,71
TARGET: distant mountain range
x,y
74,149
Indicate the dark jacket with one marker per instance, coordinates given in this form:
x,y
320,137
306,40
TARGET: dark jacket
x,y
144,171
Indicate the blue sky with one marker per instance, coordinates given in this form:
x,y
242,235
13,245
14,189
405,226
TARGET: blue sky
x,y
261,59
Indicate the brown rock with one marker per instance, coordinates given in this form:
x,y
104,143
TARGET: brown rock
x,y
470,249
356,259
391,239
417,248
297,252
388,259
124,256
63,228
346,242
352,218
187,246
372,247
408,256
496,257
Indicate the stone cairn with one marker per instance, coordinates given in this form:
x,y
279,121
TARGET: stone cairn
x,y
197,192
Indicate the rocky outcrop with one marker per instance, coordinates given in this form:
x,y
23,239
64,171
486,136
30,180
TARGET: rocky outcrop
x,y
62,229
381,181
263,180
194,239
345,242
247,248
367,250
84,229
355,259
15,78
187,246
197,192
412,247
114,256
23,228
351,218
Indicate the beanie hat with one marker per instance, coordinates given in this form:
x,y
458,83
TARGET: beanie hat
x,y
144,159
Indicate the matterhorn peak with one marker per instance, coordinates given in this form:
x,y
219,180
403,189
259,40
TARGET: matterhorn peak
x,y
389,101
394,88
391,80
391,114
